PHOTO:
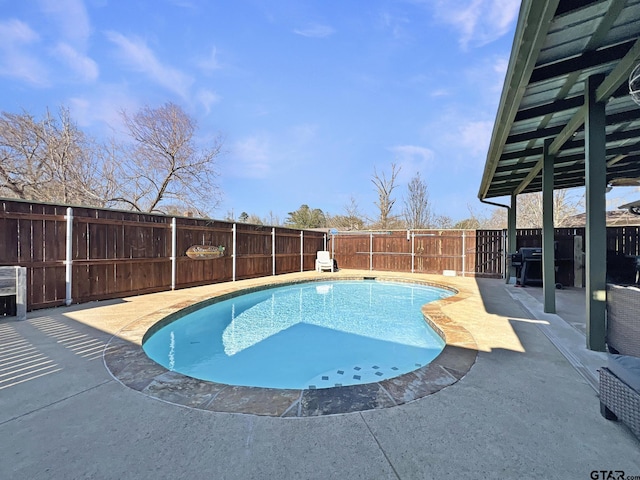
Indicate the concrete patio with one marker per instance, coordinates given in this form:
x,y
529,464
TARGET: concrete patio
x,y
526,409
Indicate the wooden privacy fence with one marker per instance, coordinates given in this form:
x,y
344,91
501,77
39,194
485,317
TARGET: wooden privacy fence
x,y
478,253
81,254
623,250
449,252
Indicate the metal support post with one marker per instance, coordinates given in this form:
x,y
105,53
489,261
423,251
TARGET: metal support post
x,y
548,250
595,234
511,236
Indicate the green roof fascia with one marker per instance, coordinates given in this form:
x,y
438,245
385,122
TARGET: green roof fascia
x,y
534,21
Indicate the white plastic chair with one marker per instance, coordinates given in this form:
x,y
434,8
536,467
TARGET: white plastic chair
x,y
323,261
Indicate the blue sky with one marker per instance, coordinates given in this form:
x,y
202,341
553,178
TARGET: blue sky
x,y
310,96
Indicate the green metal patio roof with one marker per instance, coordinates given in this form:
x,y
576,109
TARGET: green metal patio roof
x,y
557,45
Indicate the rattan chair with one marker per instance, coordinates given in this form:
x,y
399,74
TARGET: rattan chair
x,y
618,399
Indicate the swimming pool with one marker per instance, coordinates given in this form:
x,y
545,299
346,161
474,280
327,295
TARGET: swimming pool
x,y
304,336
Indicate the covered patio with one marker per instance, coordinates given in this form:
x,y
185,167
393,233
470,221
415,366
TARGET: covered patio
x,y
566,119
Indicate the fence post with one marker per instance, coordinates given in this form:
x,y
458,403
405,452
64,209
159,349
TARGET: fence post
x,y
464,254
504,257
334,239
174,241
233,256
371,251
21,293
301,250
68,278
273,250
413,251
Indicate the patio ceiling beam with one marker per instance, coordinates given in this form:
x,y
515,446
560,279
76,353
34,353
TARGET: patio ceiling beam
x,y
534,134
586,60
565,163
530,152
610,84
619,118
566,7
548,108
615,160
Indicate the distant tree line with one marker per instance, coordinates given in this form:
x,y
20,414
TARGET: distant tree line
x,y
160,168
416,211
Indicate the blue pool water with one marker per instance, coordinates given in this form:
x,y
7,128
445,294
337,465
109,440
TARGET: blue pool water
x,y
311,335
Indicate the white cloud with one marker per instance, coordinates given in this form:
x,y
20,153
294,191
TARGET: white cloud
x,y
460,139
411,159
395,24
17,32
484,81
16,60
207,98
302,134
475,136
252,157
440,92
412,151
71,17
500,66
101,109
479,22
84,66
315,31
210,62
141,58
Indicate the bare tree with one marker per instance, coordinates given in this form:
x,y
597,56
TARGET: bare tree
x,y
529,208
272,219
475,220
442,221
384,187
23,170
48,160
417,209
351,220
497,219
165,166
254,219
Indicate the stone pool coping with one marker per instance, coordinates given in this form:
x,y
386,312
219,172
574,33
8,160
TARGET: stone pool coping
x,y
128,363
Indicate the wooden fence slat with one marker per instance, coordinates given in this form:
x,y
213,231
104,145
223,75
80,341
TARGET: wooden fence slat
x,y
119,253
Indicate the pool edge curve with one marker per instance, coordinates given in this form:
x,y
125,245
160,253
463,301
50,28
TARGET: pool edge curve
x,y
127,362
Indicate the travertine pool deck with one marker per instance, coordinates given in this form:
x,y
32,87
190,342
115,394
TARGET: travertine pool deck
x,y
128,363
525,409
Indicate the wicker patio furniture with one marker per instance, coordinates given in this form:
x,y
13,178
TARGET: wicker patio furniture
x,y
620,379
